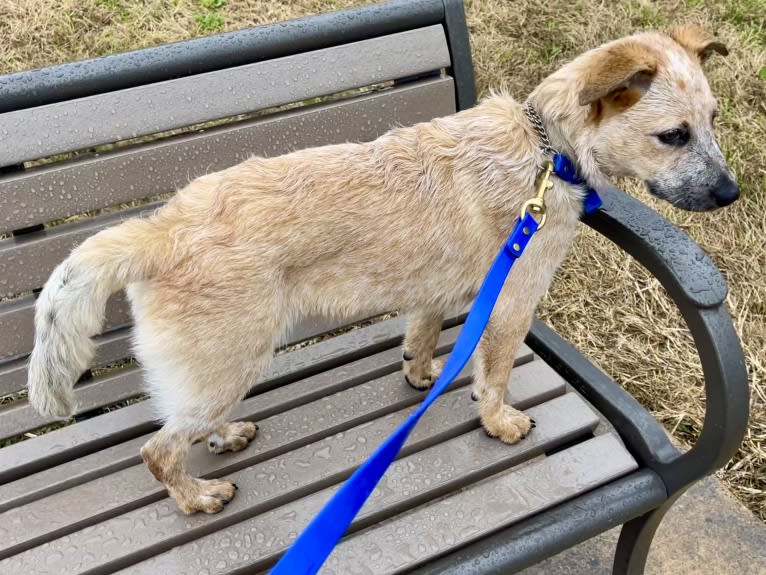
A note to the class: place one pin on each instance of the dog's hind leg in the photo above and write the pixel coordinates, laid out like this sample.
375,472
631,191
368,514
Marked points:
165,454
199,362
232,436
420,369
195,404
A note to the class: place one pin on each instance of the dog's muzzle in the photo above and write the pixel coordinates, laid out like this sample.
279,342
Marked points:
725,191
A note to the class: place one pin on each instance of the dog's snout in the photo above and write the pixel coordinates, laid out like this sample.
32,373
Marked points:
725,191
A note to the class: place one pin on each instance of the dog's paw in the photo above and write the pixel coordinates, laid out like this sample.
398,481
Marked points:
422,376
207,495
507,424
233,436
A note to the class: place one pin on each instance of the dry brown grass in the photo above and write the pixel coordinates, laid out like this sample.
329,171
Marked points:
602,300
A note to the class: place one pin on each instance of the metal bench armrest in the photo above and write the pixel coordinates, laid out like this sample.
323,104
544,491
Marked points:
699,291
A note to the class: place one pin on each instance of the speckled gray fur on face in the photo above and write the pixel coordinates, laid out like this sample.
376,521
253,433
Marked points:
692,182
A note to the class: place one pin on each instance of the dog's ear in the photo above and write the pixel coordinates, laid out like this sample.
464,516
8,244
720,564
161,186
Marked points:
620,75
698,42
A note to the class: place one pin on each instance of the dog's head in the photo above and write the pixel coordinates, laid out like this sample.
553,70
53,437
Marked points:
651,116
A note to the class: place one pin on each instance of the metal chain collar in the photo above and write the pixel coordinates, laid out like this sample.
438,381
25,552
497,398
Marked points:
543,182
558,165
537,122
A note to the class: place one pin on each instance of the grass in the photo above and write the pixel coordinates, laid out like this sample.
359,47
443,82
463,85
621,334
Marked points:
210,19
602,300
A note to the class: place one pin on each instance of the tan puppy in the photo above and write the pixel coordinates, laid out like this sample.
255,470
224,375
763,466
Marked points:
411,221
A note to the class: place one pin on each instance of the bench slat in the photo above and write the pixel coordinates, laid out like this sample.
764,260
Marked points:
104,118
450,467
134,486
21,417
321,463
133,173
290,426
26,261
205,53
440,526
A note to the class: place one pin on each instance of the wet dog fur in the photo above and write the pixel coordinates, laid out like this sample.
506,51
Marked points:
410,221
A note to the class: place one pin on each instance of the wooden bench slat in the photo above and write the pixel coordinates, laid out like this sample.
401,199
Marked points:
26,261
310,468
25,532
129,422
99,432
292,425
205,53
104,118
133,173
455,465
21,417
434,529
78,470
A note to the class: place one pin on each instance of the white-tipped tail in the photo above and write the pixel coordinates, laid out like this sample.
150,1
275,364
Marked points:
70,309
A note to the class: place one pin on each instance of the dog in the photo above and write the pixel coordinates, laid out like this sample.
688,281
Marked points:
410,221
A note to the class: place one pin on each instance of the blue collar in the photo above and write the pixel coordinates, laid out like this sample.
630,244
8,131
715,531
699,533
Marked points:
566,170
563,167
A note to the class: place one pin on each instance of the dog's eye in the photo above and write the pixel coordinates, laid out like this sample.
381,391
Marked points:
675,137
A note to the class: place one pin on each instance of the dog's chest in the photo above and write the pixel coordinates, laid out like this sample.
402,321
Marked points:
551,243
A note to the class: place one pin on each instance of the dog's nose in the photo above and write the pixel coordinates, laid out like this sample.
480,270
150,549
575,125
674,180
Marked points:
725,191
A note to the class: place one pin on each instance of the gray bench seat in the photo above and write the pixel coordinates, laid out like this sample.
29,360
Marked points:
314,430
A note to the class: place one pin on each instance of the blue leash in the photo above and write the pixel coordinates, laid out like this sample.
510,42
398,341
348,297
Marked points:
316,542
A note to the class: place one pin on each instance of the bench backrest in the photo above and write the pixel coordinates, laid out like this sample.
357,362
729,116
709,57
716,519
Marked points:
88,144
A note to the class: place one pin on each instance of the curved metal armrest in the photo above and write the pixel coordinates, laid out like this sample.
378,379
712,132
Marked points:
699,290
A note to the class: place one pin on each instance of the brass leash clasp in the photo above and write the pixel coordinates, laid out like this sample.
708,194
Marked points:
536,205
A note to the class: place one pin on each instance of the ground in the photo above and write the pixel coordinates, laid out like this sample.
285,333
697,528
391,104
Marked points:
602,300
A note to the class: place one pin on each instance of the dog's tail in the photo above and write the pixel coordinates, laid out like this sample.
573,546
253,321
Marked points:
70,308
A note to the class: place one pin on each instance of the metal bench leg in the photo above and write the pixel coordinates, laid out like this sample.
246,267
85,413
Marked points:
636,538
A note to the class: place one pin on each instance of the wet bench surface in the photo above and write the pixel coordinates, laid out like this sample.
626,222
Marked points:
452,484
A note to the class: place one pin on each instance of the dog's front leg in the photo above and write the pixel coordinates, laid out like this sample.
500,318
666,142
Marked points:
420,369
493,362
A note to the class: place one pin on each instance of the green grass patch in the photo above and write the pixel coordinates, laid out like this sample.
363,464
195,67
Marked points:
209,22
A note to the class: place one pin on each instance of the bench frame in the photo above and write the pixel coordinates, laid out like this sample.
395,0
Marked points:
638,500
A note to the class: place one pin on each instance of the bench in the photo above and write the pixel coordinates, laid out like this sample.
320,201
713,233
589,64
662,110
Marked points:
109,138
